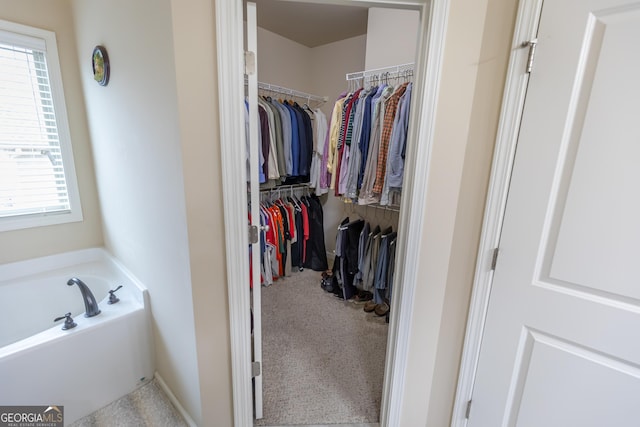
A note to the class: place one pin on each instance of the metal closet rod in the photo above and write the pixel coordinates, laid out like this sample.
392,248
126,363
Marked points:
288,188
291,92
394,69
348,202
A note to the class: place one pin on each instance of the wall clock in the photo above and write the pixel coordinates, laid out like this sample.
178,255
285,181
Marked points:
100,65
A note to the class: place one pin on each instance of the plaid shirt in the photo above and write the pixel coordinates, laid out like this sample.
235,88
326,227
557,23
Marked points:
389,114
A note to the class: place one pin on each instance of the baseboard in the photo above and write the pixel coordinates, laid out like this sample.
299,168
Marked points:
165,388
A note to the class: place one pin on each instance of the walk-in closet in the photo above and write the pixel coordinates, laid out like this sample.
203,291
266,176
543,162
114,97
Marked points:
327,144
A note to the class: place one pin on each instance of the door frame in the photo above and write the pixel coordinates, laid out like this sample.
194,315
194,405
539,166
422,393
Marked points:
230,69
517,80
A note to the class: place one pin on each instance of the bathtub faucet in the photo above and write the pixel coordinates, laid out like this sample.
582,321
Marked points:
90,305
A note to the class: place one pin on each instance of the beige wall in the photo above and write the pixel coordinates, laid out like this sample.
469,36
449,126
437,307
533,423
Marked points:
392,36
18,245
194,36
283,62
136,138
473,74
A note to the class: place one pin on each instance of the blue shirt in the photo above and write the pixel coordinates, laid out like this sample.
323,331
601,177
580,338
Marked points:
397,145
365,134
295,141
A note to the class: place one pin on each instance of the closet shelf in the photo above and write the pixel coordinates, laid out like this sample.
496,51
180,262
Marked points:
393,71
291,92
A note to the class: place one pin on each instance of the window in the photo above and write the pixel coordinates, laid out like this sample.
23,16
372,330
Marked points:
37,176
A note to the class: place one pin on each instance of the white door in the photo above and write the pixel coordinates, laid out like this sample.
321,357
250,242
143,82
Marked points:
561,345
256,301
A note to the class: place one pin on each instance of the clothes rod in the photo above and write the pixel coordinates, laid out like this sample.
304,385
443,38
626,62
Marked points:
352,206
291,92
287,187
392,70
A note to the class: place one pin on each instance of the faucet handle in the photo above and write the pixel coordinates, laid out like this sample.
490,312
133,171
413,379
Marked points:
68,323
112,296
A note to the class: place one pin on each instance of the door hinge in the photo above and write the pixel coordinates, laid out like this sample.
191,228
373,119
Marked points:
494,259
255,369
468,411
249,63
531,44
253,234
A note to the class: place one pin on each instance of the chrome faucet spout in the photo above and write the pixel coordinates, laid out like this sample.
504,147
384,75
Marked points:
90,305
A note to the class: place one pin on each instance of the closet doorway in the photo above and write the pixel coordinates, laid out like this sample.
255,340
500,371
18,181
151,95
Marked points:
427,65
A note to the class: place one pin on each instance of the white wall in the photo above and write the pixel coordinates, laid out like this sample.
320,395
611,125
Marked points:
392,36
283,62
19,245
136,144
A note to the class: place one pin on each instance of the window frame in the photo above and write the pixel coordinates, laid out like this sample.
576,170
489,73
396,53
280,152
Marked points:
21,35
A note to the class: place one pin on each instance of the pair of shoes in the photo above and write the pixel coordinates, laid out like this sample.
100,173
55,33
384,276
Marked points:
382,309
369,306
363,297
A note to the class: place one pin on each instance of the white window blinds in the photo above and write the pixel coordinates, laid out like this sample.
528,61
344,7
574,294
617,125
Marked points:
32,162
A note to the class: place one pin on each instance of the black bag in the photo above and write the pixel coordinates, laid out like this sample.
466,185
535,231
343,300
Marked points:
329,282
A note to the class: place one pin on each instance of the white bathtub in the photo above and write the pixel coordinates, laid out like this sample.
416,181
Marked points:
84,368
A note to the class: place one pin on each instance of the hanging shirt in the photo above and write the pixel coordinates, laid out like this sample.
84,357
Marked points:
344,146
305,225
389,116
363,143
275,132
366,195
373,112
306,140
334,138
355,156
395,161
285,118
264,138
397,154
316,162
273,171
261,175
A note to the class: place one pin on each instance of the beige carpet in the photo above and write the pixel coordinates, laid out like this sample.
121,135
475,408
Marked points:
147,406
323,358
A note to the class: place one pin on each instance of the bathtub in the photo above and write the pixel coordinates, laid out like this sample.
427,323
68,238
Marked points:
85,368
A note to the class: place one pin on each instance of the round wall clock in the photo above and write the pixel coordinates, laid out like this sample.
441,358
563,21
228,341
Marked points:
100,65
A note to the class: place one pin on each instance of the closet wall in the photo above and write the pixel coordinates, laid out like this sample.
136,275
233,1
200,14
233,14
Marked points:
392,36
284,62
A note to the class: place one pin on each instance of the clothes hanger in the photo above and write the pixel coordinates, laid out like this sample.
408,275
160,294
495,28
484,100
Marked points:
294,201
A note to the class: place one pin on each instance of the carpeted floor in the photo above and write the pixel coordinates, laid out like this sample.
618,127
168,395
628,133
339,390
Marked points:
323,358
147,406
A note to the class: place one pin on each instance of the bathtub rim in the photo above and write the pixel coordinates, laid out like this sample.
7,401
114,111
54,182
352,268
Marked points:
15,270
